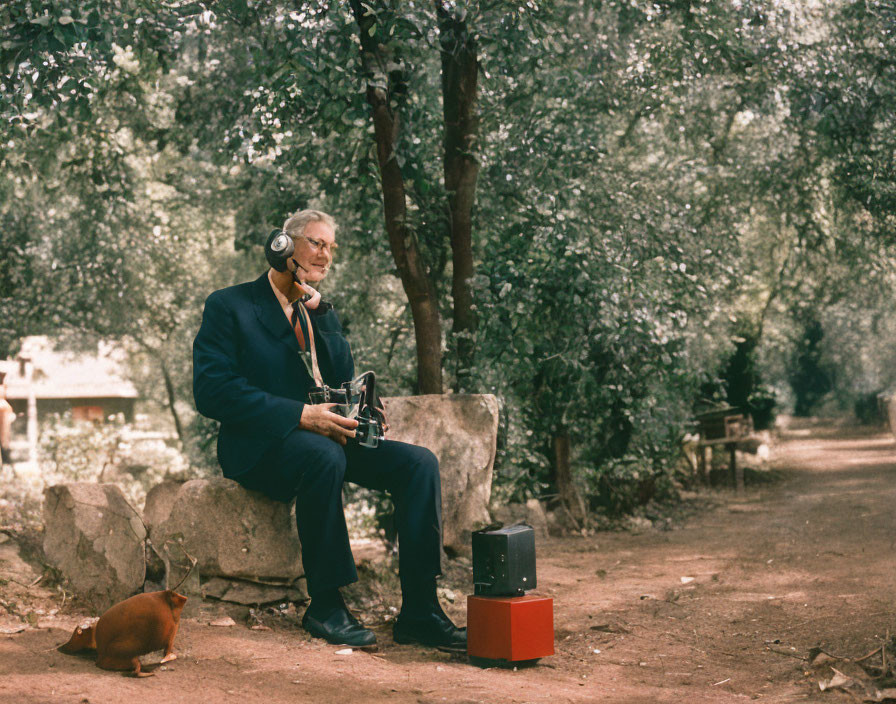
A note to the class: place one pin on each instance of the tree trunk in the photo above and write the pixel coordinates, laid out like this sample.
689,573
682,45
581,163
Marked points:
460,73
566,488
384,95
172,399
158,356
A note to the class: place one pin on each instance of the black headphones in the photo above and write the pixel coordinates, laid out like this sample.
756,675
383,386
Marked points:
278,249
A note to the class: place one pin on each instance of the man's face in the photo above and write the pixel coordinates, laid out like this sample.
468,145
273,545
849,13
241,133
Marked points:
314,251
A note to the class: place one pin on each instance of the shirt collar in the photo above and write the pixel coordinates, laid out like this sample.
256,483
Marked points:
283,300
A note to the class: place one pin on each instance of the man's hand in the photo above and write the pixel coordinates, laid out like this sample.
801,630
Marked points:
314,301
382,410
318,418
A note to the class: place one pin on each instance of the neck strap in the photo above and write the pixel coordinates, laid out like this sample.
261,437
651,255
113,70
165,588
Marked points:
315,369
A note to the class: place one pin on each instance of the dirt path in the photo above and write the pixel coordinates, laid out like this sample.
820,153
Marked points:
807,561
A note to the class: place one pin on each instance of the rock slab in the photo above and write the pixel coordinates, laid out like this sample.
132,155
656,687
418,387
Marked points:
252,593
96,539
232,532
462,431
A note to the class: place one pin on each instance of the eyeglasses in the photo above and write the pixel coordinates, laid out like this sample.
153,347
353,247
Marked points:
318,245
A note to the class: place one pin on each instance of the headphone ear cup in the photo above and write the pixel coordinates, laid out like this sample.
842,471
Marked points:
278,249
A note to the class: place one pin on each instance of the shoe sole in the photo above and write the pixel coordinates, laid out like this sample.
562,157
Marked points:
368,646
407,640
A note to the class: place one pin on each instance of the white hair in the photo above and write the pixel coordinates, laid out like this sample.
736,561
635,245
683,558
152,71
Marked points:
297,222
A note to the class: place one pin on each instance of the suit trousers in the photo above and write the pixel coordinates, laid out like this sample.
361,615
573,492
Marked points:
312,469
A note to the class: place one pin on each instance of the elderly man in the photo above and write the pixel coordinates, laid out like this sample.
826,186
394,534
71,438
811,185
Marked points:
253,363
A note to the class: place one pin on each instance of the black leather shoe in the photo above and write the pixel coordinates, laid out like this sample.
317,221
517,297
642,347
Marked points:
339,628
434,629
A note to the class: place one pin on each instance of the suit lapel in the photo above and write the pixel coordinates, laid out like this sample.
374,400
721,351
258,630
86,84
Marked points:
270,314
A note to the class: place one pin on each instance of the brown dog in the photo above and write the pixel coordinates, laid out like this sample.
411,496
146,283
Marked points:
130,628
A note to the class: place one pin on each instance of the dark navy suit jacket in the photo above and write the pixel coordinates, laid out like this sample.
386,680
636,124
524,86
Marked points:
247,372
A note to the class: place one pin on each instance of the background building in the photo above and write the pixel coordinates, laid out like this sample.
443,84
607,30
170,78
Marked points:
42,381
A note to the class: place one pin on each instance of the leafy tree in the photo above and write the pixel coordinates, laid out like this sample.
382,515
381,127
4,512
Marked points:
348,96
590,209
810,380
607,302
112,243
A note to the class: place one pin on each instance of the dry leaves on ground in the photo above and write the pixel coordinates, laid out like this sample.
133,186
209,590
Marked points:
870,677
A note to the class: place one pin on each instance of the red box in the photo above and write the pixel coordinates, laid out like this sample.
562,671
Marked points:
510,628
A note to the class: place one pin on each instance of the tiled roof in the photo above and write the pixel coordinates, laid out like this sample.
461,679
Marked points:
61,374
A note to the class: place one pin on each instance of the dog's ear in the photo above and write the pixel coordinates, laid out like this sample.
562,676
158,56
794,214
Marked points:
175,600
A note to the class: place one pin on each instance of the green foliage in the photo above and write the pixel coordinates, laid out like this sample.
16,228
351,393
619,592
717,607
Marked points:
665,190
848,97
867,409
810,380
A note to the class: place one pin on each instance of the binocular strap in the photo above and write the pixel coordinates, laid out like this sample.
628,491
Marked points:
315,369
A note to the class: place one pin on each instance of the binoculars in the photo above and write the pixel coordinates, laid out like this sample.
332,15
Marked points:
355,399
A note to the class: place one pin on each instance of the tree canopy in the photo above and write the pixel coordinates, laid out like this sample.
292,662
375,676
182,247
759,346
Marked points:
605,213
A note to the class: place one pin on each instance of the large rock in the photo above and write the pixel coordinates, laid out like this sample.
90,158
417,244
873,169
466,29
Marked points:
159,501
232,532
462,431
96,539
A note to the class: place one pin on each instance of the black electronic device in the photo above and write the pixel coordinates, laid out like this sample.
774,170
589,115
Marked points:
504,560
355,399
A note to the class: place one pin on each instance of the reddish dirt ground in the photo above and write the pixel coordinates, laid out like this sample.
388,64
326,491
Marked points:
808,560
